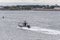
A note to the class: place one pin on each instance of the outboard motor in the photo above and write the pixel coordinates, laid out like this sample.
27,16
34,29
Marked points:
28,26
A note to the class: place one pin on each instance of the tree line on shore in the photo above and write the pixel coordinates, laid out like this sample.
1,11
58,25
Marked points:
28,7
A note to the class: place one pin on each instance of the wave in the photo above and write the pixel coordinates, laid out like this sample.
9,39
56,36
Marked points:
42,30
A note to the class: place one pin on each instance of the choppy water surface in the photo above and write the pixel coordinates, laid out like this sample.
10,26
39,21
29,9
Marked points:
43,19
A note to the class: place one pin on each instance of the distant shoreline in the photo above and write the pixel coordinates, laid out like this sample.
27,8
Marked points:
35,10
48,10
31,7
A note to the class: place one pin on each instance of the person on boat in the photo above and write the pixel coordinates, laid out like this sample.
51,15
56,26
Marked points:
24,23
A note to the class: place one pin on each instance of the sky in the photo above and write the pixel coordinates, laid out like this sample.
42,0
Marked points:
51,2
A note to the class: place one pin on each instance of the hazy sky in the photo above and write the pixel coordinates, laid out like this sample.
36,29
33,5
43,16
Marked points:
32,1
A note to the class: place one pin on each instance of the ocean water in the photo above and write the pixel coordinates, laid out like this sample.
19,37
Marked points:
43,19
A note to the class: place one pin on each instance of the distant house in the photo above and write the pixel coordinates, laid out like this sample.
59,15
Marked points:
37,8
56,7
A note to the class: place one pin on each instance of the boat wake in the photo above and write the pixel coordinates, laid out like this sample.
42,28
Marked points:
42,30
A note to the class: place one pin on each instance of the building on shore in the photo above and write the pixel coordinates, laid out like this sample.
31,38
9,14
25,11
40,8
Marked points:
57,8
